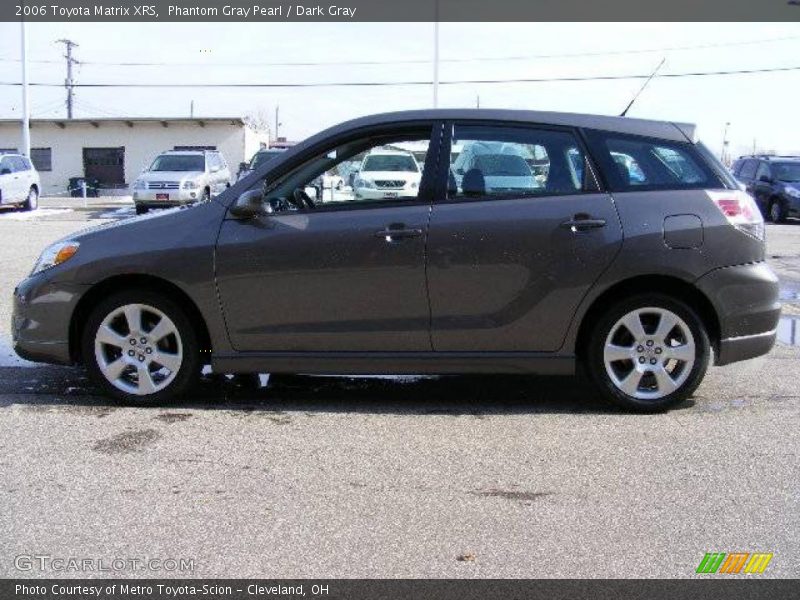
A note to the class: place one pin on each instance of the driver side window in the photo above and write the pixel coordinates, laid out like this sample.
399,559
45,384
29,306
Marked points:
367,171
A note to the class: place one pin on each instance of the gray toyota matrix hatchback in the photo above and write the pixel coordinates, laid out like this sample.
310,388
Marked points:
563,239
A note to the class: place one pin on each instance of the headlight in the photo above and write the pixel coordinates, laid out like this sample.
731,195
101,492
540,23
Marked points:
189,185
55,255
139,185
413,185
793,191
364,183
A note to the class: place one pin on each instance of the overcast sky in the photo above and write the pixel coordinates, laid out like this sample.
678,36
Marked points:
761,107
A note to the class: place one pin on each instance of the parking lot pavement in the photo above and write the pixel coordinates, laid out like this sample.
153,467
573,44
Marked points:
434,477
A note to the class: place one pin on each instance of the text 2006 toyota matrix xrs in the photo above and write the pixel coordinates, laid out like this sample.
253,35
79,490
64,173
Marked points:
618,244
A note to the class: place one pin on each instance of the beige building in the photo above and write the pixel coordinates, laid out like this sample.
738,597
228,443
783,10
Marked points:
115,151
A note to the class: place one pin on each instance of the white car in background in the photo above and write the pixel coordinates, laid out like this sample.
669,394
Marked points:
179,177
502,166
387,174
19,182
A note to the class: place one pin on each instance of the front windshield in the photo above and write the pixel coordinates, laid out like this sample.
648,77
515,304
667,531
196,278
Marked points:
263,157
786,171
179,162
390,162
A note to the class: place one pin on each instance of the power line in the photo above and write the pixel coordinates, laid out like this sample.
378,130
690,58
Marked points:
521,57
413,82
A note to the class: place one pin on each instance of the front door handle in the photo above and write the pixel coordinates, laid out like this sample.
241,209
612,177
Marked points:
583,222
395,233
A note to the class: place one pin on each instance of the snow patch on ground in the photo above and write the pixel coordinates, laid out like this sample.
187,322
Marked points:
30,215
9,358
125,211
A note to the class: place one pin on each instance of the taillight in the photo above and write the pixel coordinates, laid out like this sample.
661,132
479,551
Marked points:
741,211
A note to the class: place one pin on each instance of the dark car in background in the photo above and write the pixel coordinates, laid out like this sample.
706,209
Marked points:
634,254
774,181
259,158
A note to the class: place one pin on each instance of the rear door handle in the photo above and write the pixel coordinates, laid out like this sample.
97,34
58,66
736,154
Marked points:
395,233
583,224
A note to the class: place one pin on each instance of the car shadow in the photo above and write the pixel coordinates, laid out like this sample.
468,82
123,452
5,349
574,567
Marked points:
456,395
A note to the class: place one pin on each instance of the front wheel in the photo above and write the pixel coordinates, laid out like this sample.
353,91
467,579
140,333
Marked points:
777,211
648,353
140,347
32,200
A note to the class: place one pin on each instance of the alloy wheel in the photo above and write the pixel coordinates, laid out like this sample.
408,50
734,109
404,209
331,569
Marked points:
138,349
649,353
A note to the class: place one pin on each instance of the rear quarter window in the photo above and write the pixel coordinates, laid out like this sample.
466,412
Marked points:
632,163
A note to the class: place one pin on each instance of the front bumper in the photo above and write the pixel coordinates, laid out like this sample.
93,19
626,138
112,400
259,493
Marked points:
745,298
175,197
363,193
40,321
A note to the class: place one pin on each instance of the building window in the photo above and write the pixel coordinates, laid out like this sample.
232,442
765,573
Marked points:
42,158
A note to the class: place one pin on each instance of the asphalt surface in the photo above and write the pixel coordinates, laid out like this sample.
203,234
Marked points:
344,477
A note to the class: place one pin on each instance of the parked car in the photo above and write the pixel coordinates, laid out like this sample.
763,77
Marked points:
19,182
774,181
641,281
387,174
262,156
500,165
179,177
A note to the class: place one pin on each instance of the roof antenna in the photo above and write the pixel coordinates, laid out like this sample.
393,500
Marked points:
644,85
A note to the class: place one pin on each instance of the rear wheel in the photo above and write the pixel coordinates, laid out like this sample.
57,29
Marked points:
140,210
140,347
777,211
32,200
648,353
206,195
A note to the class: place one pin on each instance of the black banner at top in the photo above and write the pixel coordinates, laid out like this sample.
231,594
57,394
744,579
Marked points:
398,10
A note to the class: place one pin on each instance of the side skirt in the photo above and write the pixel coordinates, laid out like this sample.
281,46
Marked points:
394,363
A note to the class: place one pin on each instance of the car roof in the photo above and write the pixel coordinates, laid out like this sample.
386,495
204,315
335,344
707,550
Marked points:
667,130
186,152
385,152
770,157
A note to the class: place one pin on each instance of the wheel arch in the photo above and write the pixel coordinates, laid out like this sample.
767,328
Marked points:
663,284
119,283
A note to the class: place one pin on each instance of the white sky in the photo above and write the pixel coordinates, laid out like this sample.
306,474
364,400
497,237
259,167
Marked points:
763,107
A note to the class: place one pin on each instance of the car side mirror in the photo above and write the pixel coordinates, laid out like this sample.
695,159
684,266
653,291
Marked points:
243,166
765,179
214,169
249,205
5,171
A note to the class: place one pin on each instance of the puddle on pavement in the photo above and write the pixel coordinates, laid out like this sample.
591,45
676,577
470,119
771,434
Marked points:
789,330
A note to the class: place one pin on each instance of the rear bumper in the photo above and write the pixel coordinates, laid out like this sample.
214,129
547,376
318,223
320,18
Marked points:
745,298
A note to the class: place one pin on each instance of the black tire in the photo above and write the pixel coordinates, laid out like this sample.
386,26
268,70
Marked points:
777,211
32,201
206,195
595,360
140,210
188,373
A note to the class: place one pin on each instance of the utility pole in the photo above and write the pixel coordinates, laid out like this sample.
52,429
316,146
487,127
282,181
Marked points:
68,82
26,108
478,101
191,109
436,55
277,121
724,154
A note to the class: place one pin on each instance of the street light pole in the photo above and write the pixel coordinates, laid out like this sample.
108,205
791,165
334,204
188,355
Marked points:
26,129
724,154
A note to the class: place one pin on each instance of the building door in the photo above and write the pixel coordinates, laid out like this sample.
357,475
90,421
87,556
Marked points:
107,165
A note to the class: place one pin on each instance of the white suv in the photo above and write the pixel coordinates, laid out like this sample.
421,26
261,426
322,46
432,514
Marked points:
180,177
19,182
386,174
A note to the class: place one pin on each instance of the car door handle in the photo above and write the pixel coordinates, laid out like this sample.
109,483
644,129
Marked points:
394,234
581,223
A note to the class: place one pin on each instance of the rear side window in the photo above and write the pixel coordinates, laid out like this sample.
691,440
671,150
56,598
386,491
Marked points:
634,163
748,170
490,161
